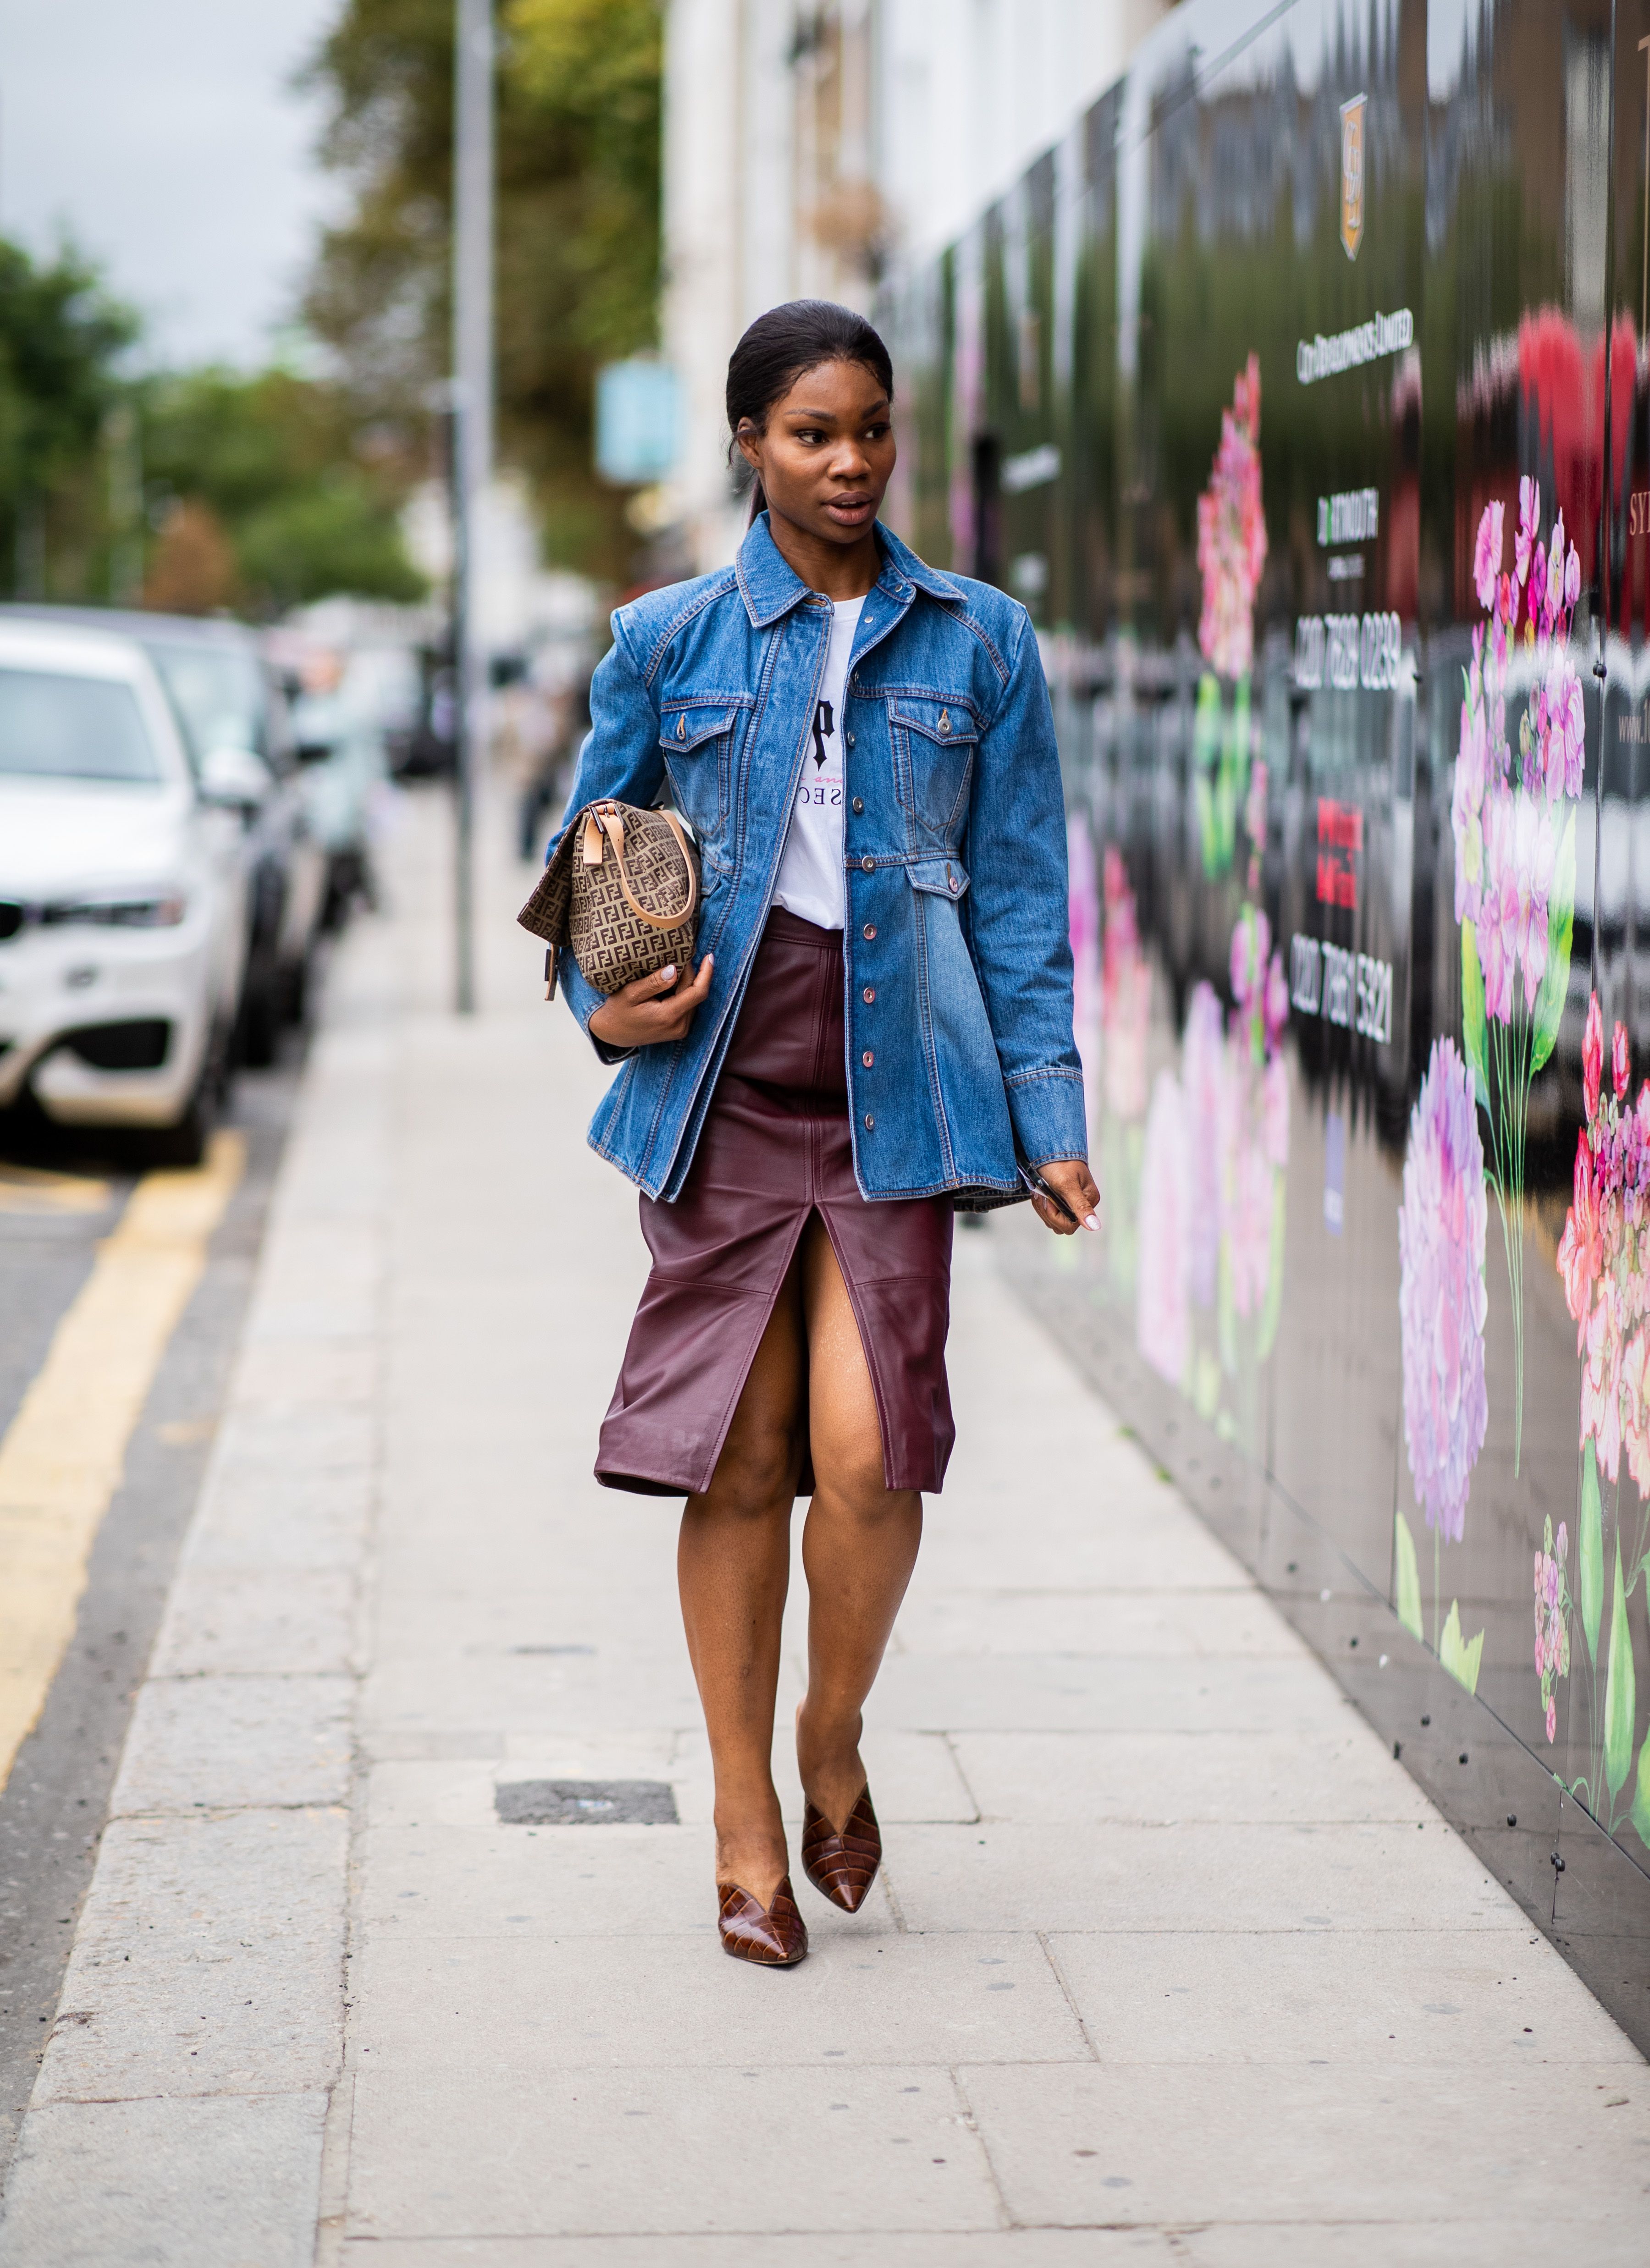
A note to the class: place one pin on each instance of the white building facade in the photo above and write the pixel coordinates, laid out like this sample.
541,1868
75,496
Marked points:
810,150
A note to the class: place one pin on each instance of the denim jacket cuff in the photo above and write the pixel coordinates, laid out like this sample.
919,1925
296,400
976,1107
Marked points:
1048,1114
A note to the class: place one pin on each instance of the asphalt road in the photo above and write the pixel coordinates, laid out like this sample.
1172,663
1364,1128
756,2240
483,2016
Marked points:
59,1197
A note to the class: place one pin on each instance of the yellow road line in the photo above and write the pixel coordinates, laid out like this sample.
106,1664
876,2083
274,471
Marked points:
28,1189
62,1458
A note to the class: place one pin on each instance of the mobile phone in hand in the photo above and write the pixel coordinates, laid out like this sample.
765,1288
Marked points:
1038,1187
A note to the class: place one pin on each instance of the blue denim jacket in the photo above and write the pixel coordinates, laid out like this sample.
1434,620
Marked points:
957,965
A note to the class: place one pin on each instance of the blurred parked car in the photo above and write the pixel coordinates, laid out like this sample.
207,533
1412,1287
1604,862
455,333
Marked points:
341,719
123,886
227,697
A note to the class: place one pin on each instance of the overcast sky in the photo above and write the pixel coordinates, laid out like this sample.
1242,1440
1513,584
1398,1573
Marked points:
164,136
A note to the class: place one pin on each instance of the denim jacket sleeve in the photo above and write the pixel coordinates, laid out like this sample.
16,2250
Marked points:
1018,923
620,759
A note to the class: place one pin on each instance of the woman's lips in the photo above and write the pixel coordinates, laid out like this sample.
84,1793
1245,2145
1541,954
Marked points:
849,507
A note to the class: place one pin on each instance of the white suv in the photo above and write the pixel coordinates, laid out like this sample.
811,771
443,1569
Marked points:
122,892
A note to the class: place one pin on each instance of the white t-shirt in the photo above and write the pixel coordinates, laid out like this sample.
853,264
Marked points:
812,883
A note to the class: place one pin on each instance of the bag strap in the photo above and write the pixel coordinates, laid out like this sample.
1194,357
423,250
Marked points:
607,819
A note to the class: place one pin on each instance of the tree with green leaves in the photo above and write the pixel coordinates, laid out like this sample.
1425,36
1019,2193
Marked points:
62,341
578,229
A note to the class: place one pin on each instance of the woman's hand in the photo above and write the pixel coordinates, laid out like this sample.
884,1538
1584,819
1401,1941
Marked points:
653,1010
1076,1184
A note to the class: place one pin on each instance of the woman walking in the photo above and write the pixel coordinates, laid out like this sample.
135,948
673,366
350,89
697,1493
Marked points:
879,1031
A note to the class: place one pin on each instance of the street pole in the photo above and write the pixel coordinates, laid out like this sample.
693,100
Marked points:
471,435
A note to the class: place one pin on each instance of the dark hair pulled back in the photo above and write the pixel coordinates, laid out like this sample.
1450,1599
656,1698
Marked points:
781,345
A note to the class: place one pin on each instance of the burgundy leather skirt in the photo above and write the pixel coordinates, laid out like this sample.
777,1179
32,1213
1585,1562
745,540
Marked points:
774,1149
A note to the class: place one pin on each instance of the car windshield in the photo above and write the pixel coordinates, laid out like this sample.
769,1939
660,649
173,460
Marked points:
56,726
218,694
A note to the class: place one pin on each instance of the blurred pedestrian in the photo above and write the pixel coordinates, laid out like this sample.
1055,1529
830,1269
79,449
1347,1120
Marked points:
879,1032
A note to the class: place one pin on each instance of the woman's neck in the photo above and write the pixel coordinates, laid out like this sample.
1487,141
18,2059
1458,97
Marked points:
838,570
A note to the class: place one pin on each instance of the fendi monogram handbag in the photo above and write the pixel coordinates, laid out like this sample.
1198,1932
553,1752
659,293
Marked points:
622,894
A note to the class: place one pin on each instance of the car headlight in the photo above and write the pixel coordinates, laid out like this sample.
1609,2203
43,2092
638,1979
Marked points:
159,909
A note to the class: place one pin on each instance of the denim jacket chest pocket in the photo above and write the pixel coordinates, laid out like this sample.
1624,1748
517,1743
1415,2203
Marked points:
698,737
934,740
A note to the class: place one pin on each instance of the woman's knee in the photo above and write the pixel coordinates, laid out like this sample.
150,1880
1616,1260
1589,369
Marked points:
757,1472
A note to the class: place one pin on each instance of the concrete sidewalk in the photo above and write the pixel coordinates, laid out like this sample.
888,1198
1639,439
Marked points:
1169,1960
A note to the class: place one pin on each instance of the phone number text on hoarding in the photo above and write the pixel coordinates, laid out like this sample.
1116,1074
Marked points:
1349,989
1347,650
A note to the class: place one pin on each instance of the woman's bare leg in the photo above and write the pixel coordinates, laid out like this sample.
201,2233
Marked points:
732,1565
860,1542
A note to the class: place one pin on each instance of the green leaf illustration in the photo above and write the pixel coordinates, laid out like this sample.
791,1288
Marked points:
1620,1698
1473,1030
1640,1813
1555,984
1592,1550
1460,1656
1408,1601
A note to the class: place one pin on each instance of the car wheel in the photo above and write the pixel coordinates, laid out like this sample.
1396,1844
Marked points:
184,1142
295,990
259,1037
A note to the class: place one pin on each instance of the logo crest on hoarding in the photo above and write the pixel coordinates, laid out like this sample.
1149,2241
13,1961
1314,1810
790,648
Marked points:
1352,174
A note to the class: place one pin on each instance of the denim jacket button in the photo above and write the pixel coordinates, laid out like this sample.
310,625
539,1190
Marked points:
867,1059
870,928
860,803
870,1121
868,866
869,994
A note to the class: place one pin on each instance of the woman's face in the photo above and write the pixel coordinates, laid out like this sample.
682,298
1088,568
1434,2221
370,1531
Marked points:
827,453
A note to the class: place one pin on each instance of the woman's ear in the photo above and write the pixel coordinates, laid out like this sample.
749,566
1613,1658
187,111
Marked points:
748,441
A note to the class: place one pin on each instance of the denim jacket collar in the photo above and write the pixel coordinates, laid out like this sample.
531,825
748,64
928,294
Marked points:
770,586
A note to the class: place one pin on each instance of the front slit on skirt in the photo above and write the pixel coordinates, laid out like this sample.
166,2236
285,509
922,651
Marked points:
775,1148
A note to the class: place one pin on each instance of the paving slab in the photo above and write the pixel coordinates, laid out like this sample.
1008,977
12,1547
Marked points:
1423,1997
228,2182
546,2005
639,2152
208,1958
1338,1770
1193,1876
216,1743
1172,2144
954,2248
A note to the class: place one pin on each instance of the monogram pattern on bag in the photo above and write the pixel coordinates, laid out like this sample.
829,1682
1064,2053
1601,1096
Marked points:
585,909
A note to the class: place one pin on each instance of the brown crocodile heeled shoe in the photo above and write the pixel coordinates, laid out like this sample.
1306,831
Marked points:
843,1867
775,1936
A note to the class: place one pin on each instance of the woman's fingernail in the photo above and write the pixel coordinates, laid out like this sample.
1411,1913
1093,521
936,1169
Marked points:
1093,1221
668,975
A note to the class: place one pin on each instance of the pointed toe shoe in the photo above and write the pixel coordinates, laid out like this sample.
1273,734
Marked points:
843,1867
775,1936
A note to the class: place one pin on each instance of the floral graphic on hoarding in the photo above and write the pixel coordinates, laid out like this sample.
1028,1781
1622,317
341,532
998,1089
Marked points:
1230,554
1605,1263
1442,1304
1514,819
1231,533
1117,1101
1552,1621
1212,1188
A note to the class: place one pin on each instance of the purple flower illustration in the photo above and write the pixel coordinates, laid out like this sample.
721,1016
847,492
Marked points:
1441,1297
1162,1318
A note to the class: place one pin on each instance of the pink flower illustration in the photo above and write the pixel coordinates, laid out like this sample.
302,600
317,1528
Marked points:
1442,1300
1508,816
1125,994
1231,533
1603,1258
1552,1620
1203,1075
1486,556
